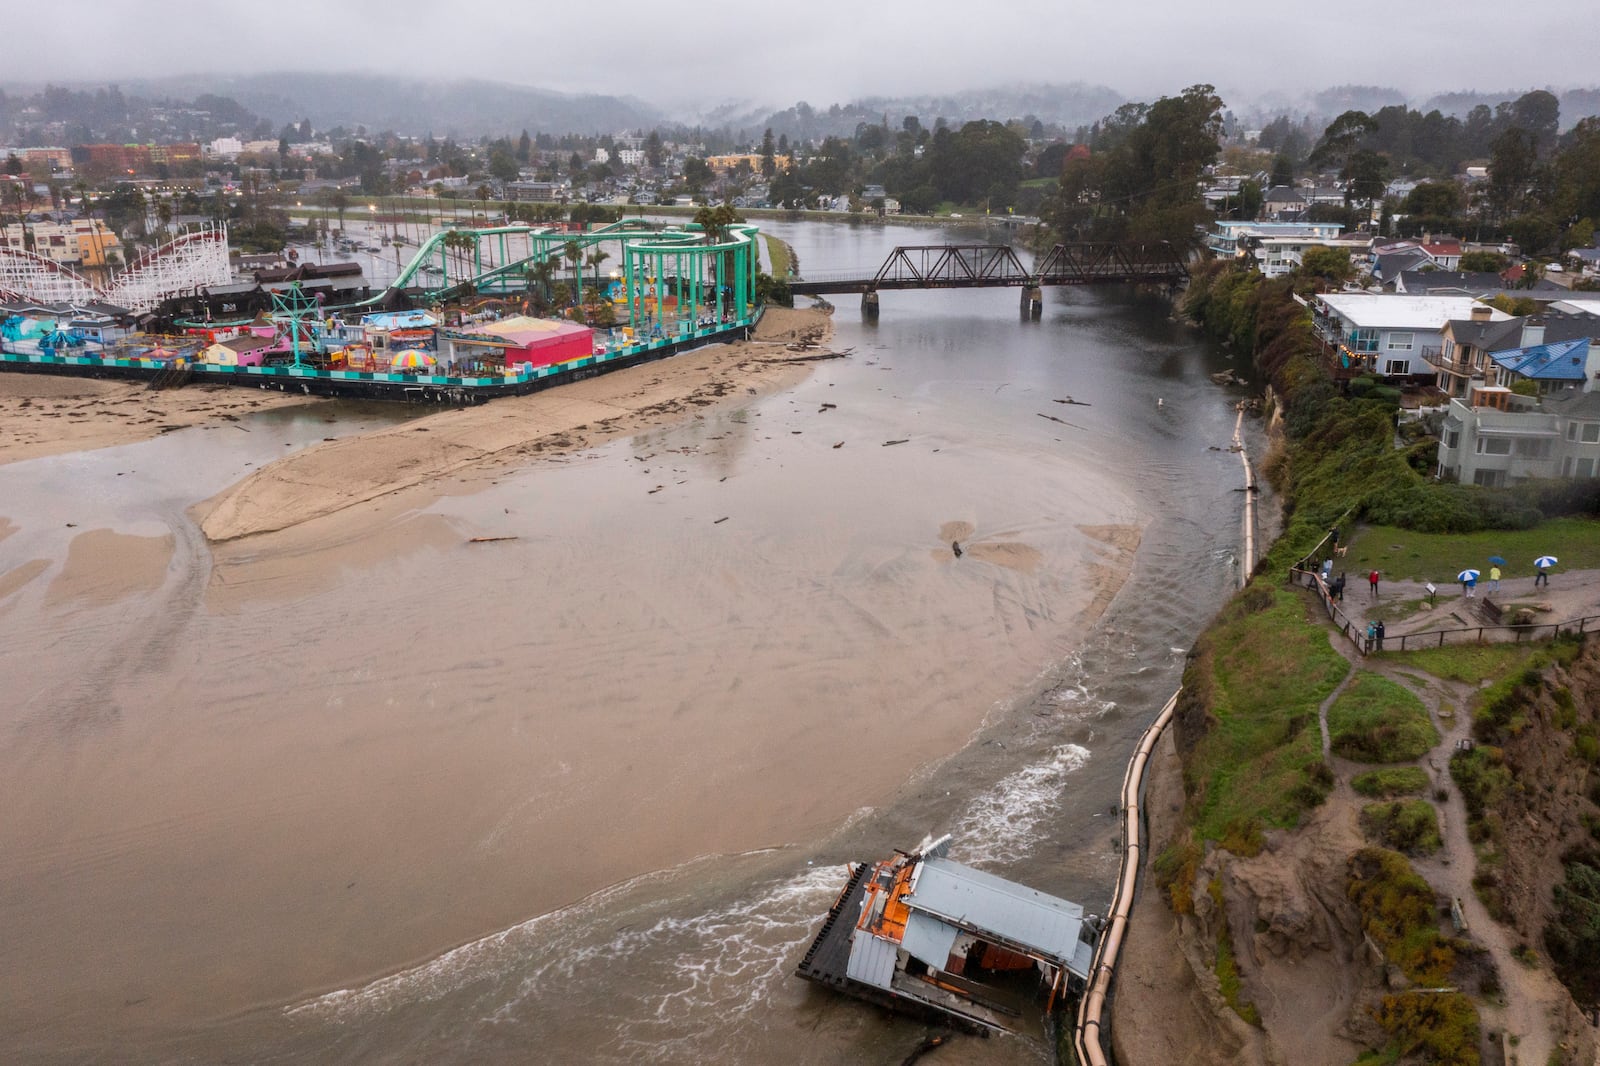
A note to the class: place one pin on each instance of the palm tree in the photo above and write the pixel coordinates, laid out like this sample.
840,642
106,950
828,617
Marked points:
539,276
574,253
459,241
596,257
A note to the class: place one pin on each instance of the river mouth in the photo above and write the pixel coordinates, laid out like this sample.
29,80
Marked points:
590,788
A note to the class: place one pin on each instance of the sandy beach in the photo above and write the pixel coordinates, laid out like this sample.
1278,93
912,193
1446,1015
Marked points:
339,474
45,415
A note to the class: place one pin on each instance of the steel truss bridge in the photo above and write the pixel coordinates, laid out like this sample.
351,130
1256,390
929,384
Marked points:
974,266
186,264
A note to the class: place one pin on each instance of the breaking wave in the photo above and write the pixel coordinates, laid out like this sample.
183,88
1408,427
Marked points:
1000,825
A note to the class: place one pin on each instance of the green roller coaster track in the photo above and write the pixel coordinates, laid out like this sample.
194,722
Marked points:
701,270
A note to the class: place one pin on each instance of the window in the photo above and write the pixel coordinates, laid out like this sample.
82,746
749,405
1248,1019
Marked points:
1396,367
1566,467
1572,431
1585,468
1591,432
1494,445
1533,449
1449,349
1400,342
1488,478
1452,438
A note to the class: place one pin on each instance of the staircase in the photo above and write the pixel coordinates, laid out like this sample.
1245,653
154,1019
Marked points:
174,376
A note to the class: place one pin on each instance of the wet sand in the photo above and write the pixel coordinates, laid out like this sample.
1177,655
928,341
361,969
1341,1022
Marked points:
358,737
44,415
322,480
103,567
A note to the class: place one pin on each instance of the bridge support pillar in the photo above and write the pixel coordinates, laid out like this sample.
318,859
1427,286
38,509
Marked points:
1032,301
869,303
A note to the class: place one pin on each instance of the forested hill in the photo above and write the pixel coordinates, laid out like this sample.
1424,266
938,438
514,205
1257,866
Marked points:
404,104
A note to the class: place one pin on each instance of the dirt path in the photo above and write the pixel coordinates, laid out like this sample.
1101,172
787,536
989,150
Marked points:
1532,1002
1531,1005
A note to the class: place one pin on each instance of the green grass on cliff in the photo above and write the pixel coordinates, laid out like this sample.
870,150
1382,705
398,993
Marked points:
1261,673
1390,781
1470,663
1378,721
1405,555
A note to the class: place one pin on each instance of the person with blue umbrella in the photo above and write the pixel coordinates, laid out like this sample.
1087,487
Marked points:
1495,563
1543,565
1469,581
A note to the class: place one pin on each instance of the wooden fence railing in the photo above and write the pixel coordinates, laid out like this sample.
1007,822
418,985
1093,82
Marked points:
1433,638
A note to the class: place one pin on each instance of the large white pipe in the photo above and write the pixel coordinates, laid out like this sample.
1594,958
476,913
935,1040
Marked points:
1091,1009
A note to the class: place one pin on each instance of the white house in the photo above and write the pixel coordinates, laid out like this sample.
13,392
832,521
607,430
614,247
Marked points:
1390,334
1275,247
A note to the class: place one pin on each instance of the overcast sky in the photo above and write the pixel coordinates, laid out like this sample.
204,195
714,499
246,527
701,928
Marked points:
824,52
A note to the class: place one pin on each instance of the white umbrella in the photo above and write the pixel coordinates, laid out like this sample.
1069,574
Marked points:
1545,561
1467,575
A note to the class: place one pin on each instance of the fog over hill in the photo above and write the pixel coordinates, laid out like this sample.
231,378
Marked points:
412,105
472,108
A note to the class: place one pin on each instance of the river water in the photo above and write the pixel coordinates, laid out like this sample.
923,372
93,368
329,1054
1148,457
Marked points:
588,803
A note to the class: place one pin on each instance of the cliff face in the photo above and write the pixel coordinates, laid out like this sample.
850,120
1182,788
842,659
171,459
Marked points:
1313,945
1269,966
1276,925
1539,826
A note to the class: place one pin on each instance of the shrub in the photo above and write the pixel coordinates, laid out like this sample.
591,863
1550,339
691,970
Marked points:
1432,1027
1483,778
1586,745
1573,934
1398,911
1409,826
1175,871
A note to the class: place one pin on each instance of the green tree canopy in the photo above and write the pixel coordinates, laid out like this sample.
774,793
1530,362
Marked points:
1143,183
1438,199
1330,266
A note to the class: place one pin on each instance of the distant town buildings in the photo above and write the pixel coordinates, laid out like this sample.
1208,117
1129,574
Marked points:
82,242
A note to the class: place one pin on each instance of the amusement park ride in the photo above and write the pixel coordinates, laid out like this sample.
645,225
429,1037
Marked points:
189,262
450,265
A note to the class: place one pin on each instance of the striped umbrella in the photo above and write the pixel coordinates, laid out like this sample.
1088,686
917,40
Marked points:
1467,575
1544,562
412,360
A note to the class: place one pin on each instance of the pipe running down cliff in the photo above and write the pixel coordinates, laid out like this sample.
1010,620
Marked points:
1087,1039
1091,1009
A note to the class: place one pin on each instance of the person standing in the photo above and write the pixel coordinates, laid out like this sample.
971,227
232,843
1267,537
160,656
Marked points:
1469,583
1543,577
1372,635
1494,579
1378,635
1372,582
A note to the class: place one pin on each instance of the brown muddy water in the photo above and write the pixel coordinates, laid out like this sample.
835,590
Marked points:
375,793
